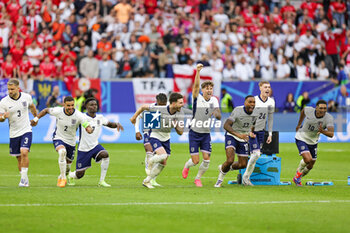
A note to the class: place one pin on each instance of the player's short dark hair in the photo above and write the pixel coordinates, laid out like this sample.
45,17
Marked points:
68,98
13,81
321,102
207,83
89,100
174,97
161,98
248,96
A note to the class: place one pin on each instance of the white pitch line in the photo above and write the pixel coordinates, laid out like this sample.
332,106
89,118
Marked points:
174,203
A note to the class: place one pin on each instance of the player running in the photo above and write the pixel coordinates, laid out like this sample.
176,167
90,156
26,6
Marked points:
239,128
171,117
264,109
312,123
161,99
64,137
204,106
14,107
89,148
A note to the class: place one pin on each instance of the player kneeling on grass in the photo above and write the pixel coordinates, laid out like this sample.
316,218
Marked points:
161,100
171,117
204,106
64,137
317,122
89,148
238,128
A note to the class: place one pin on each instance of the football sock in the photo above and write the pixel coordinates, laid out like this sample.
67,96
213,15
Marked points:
68,168
24,173
104,168
148,156
62,163
305,171
301,166
156,170
189,163
221,175
202,168
73,175
251,164
158,158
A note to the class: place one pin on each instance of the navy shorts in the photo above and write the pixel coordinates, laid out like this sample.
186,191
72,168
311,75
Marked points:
84,157
156,143
302,147
24,141
70,149
241,148
146,138
199,140
257,142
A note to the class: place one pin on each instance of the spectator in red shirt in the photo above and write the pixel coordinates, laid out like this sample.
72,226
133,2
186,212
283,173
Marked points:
9,67
14,39
150,6
17,52
12,9
310,6
258,5
66,53
288,10
47,69
25,70
69,72
338,9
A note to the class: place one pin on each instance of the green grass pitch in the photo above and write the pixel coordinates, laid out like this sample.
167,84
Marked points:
178,206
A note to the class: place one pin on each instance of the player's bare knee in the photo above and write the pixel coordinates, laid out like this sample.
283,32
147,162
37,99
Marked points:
195,160
230,160
103,155
62,154
80,174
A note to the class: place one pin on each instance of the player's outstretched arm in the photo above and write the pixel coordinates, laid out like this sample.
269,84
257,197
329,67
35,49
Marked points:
228,128
144,107
270,124
43,112
114,125
179,129
195,89
217,113
329,132
301,119
34,111
138,135
4,116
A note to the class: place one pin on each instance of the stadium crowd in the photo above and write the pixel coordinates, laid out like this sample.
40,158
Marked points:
111,39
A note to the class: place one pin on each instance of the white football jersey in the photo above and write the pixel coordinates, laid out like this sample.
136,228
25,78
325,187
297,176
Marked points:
88,141
242,121
66,125
19,114
262,110
202,111
308,133
163,134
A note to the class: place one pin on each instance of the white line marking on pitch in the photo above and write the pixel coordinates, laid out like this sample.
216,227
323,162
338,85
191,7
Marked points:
173,203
